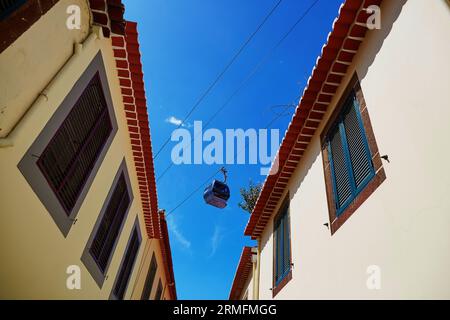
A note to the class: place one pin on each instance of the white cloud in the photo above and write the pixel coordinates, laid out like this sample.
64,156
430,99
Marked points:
177,122
173,120
173,226
216,239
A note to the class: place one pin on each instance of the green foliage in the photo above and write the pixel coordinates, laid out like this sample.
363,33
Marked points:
249,196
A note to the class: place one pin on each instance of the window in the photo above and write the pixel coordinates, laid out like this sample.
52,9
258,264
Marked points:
353,168
126,267
62,162
103,240
69,157
349,156
159,290
149,279
282,249
108,232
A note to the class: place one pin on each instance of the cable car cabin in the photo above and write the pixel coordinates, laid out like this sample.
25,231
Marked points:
217,194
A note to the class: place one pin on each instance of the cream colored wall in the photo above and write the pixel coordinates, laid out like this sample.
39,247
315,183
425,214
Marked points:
152,246
404,226
28,65
34,254
248,289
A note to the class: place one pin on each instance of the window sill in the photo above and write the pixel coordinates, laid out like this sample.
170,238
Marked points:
376,181
282,284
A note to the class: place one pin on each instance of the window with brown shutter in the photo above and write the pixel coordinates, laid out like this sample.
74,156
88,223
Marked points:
7,7
62,162
68,159
99,250
149,279
108,231
159,290
128,262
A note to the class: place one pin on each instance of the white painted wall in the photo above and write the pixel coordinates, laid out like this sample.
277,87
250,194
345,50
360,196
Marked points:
404,227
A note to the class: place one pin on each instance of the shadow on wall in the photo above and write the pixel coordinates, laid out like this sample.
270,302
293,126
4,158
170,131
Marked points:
376,38
310,157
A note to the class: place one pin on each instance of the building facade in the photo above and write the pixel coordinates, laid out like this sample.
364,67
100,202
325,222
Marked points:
79,216
357,208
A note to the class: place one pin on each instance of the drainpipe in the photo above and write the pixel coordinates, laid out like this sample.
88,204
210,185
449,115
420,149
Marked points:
256,269
42,99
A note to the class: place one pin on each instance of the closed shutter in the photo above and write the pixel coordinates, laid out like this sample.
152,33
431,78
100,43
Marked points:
159,291
357,145
108,231
150,279
70,156
350,157
126,268
343,188
286,245
9,6
278,251
282,246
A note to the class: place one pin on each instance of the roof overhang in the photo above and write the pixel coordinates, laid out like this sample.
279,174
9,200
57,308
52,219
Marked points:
167,255
130,74
129,71
243,272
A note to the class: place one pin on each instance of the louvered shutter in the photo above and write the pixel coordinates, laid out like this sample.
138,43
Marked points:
357,145
150,279
286,244
282,246
343,188
159,291
126,268
108,231
350,157
278,250
70,156
9,6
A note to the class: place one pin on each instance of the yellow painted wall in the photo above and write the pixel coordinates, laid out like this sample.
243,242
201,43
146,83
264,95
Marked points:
34,254
30,63
248,289
404,226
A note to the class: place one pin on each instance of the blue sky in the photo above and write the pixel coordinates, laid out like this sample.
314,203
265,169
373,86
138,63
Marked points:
185,44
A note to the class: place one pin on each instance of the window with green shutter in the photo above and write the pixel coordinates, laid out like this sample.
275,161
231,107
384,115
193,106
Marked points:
349,155
282,245
353,167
